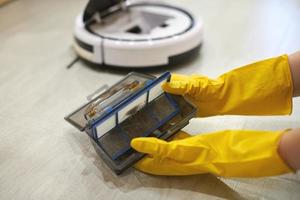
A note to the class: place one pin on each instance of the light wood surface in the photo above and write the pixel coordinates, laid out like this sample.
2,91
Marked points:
3,2
43,157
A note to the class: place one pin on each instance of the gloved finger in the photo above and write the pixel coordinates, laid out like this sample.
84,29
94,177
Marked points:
150,145
168,167
177,85
195,85
177,150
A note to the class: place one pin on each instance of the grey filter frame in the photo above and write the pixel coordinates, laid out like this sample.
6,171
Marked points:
134,107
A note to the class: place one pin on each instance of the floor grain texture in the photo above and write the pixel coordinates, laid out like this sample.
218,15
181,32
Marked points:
43,157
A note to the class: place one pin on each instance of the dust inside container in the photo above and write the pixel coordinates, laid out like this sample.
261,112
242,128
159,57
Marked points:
147,111
102,104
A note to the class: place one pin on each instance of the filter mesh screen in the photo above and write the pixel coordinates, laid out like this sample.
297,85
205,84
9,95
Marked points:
161,107
113,142
141,124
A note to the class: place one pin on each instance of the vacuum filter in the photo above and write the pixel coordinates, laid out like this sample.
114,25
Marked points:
134,107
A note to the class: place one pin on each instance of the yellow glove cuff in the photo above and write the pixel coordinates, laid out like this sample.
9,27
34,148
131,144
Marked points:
261,88
229,153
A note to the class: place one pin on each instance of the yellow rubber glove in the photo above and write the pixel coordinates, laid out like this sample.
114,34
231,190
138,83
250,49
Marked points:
261,88
225,153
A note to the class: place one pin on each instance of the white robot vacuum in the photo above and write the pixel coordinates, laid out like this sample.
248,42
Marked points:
136,34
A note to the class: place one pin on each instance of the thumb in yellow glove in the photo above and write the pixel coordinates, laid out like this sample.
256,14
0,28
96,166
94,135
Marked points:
228,153
261,88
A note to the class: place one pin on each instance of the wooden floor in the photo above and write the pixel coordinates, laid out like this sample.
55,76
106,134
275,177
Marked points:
43,157
2,2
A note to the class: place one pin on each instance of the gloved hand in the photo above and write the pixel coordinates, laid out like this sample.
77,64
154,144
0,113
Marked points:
225,153
261,88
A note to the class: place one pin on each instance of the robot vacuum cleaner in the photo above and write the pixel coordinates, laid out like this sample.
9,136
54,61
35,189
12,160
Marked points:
136,34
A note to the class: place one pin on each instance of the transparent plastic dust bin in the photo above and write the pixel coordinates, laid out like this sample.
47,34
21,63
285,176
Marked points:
134,107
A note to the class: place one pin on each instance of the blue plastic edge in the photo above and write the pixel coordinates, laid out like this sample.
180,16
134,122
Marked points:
114,111
148,132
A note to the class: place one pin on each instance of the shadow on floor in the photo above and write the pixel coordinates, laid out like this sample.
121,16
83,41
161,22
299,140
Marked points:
149,70
132,179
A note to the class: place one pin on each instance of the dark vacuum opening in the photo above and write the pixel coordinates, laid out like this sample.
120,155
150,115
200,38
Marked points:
135,30
164,25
